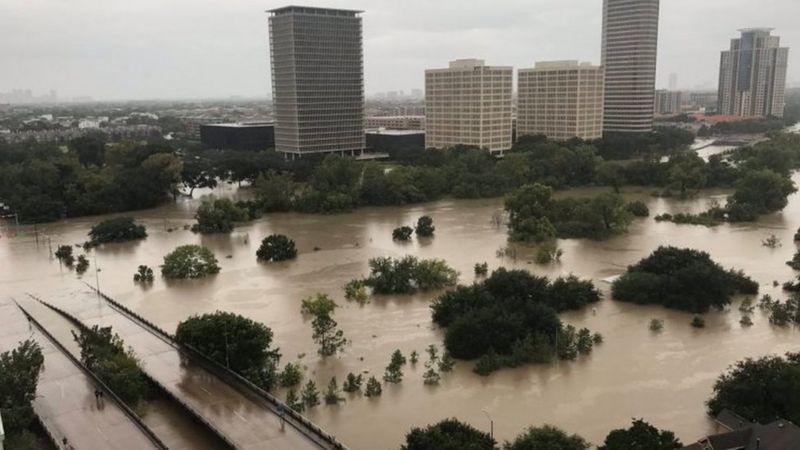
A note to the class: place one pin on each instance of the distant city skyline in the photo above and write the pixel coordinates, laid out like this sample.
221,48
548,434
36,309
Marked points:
209,49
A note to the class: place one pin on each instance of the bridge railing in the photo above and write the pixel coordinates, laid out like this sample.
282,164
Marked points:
243,385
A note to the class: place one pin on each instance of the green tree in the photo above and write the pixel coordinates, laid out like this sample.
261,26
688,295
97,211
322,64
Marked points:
449,434
546,437
198,172
333,394
218,216
144,274
353,382
611,173
275,191
189,261
118,229
292,401
760,390
425,226
90,149
641,436
276,247
291,375
310,395
318,305
19,376
687,171
763,191
64,254
356,290
104,353
373,388
326,334
402,233
236,342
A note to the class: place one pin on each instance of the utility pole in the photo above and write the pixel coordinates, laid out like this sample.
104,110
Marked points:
491,423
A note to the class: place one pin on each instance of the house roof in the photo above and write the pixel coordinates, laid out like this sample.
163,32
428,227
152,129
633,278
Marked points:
731,420
778,435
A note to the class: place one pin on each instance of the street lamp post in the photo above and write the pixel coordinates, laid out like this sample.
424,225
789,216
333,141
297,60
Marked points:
491,423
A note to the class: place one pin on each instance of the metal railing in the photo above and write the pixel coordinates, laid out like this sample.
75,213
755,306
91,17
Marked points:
124,407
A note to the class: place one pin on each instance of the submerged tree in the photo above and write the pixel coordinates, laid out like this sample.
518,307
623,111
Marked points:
310,395
425,227
332,394
402,233
373,388
276,247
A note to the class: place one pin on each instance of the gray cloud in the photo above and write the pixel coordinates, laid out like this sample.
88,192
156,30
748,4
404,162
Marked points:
203,48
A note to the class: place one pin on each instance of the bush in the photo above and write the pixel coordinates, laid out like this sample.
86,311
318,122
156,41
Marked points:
356,290
656,325
449,434
481,269
83,264
682,279
218,216
276,247
119,229
548,252
143,274
698,322
64,254
638,208
425,227
236,342
402,233
406,275
189,261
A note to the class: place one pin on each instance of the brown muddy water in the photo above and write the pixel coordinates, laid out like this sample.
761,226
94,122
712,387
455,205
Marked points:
664,378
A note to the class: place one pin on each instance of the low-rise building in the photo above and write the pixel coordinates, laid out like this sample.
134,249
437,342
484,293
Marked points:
248,136
394,141
395,122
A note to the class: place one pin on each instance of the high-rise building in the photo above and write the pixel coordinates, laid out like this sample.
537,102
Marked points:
561,100
630,46
317,80
668,102
468,103
752,75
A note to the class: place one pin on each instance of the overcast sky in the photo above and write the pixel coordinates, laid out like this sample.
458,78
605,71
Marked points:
143,49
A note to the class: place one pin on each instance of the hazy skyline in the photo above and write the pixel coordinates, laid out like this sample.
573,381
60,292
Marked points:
149,49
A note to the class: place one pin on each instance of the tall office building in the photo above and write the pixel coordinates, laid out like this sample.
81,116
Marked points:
668,102
752,75
468,103
630,45
317,80
561,100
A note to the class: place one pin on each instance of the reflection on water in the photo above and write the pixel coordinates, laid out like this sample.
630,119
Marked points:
664,378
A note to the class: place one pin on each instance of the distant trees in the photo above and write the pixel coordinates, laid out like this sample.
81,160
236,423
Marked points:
511,319
536,217
19,377
682,279
104,353
640,436
638,208
118,229
276,247
218,216
189,261
236,342
761,390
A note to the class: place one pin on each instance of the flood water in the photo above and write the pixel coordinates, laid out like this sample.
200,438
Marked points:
664,378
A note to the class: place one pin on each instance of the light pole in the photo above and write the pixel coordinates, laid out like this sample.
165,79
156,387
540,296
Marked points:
491,423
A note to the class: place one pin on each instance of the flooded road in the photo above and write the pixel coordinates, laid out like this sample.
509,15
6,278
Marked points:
664,378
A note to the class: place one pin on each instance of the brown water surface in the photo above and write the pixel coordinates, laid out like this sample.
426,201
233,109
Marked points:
664,378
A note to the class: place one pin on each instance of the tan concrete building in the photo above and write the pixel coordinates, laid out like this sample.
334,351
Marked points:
561,100
468,103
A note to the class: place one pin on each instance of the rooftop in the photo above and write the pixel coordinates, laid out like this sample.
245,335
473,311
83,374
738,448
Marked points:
241,124
761,29
393,132
295,9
